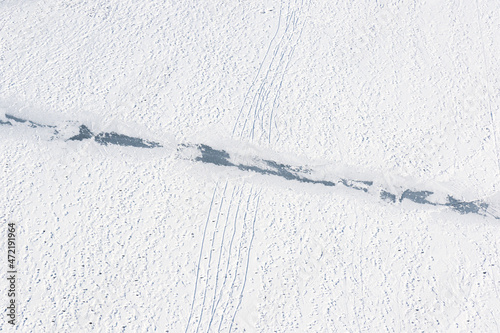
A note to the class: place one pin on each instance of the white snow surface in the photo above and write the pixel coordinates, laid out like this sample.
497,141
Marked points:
123,239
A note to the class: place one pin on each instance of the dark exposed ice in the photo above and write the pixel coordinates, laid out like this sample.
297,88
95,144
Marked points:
417,196
273,168
85,133
20,120
124,140
387,196
282,170
113,138
268,167
357,184
213,156
221,158
465,207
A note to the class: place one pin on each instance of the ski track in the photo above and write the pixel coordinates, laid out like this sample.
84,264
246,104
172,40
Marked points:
224,265
486,69
258,71
240,246
364,282
255,118
199,259
210,256
229,251
248,260
214,299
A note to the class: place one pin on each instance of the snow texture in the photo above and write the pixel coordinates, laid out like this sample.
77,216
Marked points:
258,166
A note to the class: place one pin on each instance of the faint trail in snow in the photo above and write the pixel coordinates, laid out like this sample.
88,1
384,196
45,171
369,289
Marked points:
229,256
486,68
230,248
278,91
248,260
494,280
241,246
199,259
223,262
496,323
233,283
210,256
214,300
360,259
257,98
276,98
258,71
258,114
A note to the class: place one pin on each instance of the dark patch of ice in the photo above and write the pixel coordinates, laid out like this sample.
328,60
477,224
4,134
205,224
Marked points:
20,120
221,158
464,207
85,133
312,181
417,196
253,168
282,170
5,123
387,196
356,184
213,156
124,140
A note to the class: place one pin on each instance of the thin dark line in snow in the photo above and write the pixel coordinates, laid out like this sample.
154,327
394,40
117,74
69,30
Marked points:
486,68
207,279
248,260
214,301
238,260
199,259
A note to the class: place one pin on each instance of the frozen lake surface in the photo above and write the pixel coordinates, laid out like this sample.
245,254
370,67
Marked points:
262,166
